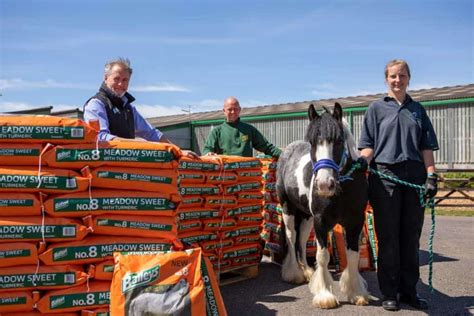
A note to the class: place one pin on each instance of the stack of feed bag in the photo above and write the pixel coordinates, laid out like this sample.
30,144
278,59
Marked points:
221,209
67,202
272,231
273,228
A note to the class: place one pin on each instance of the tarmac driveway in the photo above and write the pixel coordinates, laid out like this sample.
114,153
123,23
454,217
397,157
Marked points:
452,279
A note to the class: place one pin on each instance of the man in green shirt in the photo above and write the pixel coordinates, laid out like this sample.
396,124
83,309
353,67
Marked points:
236,138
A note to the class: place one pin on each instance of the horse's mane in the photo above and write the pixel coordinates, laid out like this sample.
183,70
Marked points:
324,127
327,129
351,144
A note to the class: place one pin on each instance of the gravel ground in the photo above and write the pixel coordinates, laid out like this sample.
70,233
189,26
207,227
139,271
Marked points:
452,280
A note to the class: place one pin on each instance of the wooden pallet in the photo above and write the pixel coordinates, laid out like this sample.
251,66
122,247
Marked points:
237,274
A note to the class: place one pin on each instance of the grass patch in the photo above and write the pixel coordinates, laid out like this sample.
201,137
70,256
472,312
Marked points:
458,175
451,211
461,176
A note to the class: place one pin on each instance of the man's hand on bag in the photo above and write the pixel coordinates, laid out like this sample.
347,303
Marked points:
190,154
431,185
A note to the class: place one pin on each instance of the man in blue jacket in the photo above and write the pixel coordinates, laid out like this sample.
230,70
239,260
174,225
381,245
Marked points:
112,107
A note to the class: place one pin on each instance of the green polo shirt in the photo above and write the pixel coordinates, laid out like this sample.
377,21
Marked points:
238,139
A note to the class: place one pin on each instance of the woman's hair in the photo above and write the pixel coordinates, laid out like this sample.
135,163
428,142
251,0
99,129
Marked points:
125,62
397,62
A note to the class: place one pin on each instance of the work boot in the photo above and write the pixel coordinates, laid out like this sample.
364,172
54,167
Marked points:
390,304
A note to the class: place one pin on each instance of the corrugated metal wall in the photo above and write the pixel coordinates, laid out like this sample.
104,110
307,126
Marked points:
454,126
180,137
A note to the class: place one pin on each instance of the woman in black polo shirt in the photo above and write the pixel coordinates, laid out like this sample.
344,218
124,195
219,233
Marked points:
398,139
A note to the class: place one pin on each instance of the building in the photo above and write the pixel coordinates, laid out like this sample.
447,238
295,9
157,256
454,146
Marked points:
451,110
48,110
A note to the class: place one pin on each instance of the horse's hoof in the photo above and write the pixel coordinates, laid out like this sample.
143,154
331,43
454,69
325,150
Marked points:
308,273
360,301
325,301
295,279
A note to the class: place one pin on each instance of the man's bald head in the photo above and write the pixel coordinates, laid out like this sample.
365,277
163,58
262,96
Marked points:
231,109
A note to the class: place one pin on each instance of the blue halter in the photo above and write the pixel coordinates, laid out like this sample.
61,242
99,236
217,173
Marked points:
331,164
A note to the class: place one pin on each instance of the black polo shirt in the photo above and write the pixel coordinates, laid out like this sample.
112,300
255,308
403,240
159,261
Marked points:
395,132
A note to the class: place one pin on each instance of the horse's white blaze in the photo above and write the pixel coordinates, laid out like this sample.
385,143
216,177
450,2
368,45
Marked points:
351,283
321,281
310,196
324,175
290,270
299,174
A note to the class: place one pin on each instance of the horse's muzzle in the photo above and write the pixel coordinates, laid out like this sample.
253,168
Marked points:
327,187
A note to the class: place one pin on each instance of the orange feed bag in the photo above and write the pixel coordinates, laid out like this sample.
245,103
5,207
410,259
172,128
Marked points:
114,153
18,204
20,154
95,294
25,179
99,248
16,301
186,163
38,313
218,224
190,238
249,175
18,253
184,214
191,201
96,312
136,226
220,201
104,270
249,197
102,201
142,179
221,177
46,128
244,209
41,278
244,186
190,225
191,176
174,283
35,228
234,162
198,188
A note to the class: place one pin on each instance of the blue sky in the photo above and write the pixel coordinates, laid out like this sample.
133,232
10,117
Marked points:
196,53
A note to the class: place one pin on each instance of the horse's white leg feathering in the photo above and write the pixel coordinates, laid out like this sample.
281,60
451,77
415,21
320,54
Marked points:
305,231
290,270
351,282
321,281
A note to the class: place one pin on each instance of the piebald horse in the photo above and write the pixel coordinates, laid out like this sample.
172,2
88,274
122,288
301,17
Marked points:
313,192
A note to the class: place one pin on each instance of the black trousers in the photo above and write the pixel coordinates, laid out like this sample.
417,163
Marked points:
398,217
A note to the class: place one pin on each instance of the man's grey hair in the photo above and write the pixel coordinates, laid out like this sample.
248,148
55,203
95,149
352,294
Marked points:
125,62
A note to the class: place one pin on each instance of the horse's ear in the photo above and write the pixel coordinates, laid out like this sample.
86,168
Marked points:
312,114
337,112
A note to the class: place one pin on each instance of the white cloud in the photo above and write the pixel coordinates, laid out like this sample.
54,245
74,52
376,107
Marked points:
164,87
206,105
421,86
147,110
252,103
330,90
19,84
